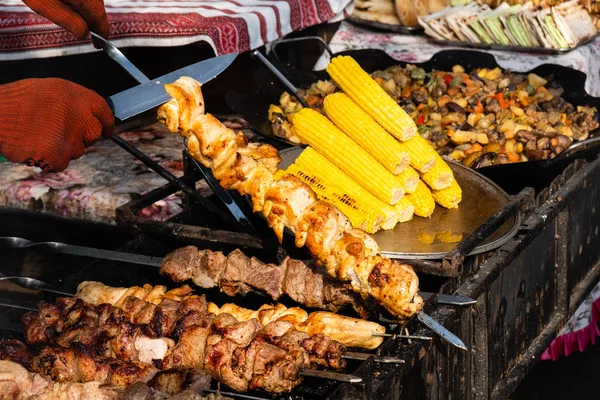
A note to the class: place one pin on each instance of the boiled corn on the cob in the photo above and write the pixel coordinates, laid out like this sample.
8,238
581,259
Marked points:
333,185
422,155
405,209
423,200
361,88
321,134
449,197
440,176
409,178
366,132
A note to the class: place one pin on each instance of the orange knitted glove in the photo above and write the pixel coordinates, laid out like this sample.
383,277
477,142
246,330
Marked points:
48,122
77,16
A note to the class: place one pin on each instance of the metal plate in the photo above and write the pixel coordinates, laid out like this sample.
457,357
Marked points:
407,30
517,49
482,198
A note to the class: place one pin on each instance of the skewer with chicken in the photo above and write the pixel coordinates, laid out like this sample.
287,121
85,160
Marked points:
286,202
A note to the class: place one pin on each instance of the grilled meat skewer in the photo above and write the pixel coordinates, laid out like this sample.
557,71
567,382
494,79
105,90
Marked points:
17,382
351,332
237,273
348,254
243,355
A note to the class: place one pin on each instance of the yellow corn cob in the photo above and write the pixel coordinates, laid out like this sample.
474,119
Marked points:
333,185
409,178
405,209
440,176
367,133
423,201
361,88
321,134
422,155
449,197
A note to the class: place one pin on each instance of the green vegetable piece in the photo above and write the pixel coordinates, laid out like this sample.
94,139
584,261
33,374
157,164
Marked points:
457,80
417,74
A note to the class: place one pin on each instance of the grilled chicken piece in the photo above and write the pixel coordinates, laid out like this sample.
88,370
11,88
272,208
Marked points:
285,202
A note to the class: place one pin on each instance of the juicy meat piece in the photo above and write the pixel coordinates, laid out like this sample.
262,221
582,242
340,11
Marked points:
273,369
192,318
189,350
15,351
324,351
41,326
68,365
126,374
131,307
170,382
267,278
241,333
165,317
196,303
215,363
295,279
235,272
180,264
214,263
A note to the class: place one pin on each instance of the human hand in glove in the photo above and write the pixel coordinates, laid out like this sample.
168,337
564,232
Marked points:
49,122
77,16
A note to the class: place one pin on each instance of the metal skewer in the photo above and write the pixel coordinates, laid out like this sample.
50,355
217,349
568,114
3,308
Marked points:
334,376
351,355
232,394
400,336
36,284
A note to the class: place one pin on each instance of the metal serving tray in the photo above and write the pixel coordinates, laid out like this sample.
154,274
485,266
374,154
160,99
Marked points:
407,30
518,49
482,198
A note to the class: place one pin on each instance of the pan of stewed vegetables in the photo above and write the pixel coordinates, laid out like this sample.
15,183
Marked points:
480,118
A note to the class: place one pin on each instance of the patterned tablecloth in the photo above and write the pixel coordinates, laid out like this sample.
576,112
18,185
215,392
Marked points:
584,327
228,26
105,178
417,48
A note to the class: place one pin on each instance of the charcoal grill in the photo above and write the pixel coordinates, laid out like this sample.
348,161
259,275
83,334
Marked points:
526,290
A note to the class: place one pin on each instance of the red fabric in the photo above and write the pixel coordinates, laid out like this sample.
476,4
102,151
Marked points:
76,16
577,341
229,25
48,122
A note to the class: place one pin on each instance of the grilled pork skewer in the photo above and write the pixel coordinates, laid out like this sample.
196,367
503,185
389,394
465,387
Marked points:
237,273
347,254
351,332
243,355
67,367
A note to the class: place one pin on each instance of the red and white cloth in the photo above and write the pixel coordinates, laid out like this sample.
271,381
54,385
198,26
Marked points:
228,26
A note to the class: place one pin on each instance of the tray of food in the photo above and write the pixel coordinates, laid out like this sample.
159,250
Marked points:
413,237
464,105
398,16
520,27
